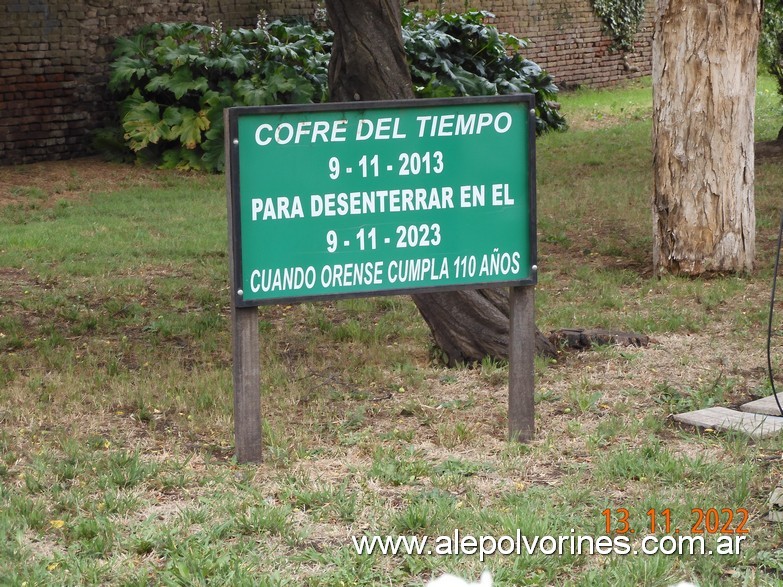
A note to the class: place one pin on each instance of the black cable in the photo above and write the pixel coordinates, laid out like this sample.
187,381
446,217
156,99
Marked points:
771,311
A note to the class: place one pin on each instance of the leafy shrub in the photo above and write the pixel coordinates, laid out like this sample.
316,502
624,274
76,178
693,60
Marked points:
174,80
460,55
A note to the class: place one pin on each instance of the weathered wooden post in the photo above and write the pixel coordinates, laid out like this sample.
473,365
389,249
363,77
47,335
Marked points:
521,363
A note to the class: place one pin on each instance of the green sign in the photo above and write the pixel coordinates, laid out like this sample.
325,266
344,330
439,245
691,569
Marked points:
381,197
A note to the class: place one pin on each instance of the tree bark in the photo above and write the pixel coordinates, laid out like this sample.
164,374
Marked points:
368,58
704,76
368,63
471,324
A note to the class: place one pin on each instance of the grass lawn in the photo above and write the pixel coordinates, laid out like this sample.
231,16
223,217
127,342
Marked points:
116,430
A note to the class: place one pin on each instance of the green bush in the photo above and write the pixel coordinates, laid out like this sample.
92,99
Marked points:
460,55
173,81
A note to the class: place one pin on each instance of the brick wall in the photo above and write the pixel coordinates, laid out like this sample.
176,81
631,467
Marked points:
565,36
54,56
566,39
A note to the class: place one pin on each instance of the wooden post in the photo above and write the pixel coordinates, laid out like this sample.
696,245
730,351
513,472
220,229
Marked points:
245,347
247,384
521,366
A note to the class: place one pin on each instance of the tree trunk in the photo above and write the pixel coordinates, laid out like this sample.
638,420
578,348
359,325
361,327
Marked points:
368,58
368,63
471,324
704,76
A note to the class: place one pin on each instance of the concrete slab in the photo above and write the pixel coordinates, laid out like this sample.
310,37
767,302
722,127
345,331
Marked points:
754,425
765,405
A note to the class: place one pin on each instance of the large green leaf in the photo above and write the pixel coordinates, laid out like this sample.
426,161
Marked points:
214,158
187,125
181,159
132,101
125,69
471,84
179,83
172,117
176,55
134,46
251,92
236,64
143,125
285,85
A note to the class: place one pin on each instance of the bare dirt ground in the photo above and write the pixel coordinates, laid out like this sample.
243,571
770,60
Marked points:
769,150
50,181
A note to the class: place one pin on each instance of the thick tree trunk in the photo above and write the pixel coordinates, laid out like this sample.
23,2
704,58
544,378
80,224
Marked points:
368,63
704,76
368,59
471,324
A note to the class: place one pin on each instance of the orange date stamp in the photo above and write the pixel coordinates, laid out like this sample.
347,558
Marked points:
702,521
